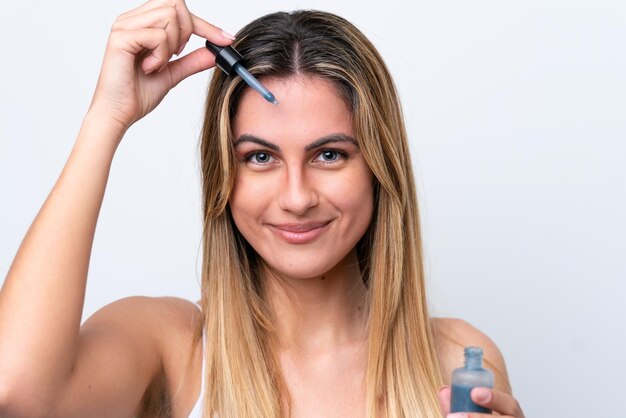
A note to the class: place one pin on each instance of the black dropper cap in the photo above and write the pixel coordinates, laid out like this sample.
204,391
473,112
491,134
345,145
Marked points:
225,56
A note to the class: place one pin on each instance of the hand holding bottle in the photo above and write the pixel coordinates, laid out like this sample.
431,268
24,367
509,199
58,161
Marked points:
472,394
497,401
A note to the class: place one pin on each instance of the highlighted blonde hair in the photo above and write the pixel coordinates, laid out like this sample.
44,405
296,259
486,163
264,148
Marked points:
242,375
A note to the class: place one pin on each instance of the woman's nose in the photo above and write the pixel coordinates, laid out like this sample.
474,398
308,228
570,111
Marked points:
297,192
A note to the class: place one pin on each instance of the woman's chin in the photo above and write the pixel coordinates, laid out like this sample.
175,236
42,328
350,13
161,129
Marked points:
310,266
298,272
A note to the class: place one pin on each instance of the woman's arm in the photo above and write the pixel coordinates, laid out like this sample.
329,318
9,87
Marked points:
42,298
47,367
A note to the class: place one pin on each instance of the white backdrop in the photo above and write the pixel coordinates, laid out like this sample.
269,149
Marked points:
517,117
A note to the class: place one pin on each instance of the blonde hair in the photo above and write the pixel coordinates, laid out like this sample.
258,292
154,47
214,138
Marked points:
242,374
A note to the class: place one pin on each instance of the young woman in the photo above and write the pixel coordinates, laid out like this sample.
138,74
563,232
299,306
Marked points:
313,297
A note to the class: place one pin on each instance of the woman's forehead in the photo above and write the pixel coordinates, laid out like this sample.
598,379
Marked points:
308,107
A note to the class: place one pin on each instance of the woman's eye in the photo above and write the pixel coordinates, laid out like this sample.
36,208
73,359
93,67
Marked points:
259,157
329,156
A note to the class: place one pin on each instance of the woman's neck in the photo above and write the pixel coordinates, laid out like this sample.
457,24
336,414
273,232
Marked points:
318,313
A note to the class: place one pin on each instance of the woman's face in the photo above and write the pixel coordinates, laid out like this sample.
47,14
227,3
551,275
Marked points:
303,194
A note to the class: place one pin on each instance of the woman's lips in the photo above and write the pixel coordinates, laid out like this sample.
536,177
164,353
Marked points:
299,233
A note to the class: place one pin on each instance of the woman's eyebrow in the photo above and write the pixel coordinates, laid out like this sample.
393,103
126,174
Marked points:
317,143
330,139
256,140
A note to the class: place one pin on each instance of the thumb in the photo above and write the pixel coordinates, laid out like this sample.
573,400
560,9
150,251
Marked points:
199,60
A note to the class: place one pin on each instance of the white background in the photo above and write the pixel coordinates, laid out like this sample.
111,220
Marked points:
516,115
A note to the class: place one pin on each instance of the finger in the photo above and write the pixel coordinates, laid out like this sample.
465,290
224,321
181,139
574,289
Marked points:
192,63
160,18
185,22
444,399
150,4
134,41
188,20
211,32
497,401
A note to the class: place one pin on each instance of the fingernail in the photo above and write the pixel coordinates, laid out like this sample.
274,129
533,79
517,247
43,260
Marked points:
481,394
442,388
457,415
228,35
182,46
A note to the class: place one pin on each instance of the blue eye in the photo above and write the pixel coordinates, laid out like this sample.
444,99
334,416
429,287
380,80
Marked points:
259,157
330,156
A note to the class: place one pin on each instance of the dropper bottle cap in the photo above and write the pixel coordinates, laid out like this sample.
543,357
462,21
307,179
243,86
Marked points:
225,57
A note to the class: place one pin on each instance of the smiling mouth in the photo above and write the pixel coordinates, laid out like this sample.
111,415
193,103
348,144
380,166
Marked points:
299,233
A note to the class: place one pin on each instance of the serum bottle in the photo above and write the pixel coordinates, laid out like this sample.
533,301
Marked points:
468,377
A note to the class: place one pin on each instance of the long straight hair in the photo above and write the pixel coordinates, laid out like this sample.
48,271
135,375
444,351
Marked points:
242,374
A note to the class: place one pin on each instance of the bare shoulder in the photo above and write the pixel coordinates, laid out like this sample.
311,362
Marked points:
154,323
133,356
150,317
452,335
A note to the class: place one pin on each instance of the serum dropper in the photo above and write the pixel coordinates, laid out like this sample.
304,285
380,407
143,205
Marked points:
229,60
